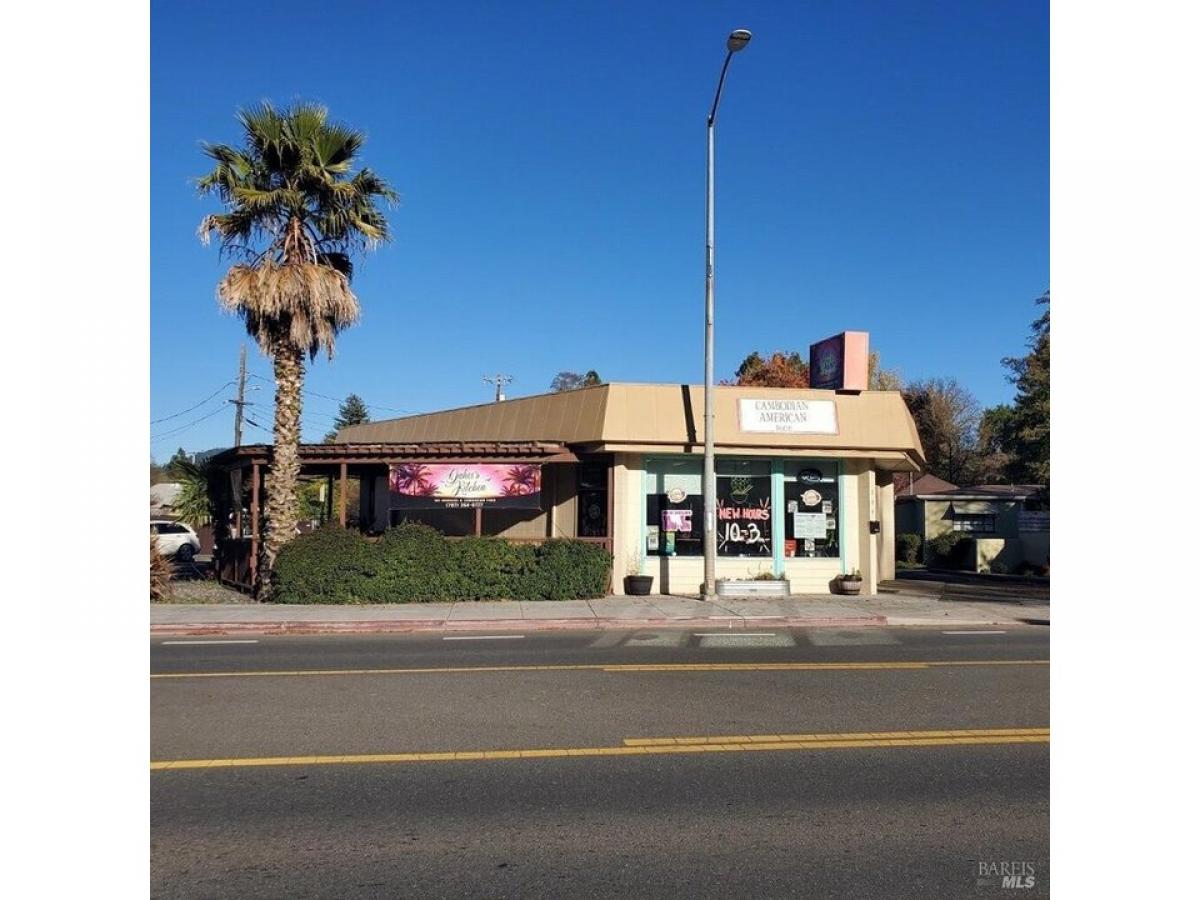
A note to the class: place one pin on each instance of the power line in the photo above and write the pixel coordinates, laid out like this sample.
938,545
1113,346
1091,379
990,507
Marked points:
340,400
190,408
159,437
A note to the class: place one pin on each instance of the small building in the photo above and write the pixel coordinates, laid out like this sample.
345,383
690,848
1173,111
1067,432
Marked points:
804,479
162,499
1008,522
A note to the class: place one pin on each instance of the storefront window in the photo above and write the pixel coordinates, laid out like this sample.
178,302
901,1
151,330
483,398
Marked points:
592,500
743,507
675,508
811,510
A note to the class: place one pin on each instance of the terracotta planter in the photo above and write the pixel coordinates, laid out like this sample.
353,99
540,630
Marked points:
638,585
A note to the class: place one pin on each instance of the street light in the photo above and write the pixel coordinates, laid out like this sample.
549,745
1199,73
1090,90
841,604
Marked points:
737,40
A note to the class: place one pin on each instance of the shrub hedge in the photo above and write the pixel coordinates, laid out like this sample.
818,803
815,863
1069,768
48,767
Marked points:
908,548
414,563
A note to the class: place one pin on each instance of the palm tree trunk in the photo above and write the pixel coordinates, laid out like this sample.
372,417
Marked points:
282,506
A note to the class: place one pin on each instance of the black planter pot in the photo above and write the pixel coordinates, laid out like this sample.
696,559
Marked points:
638,585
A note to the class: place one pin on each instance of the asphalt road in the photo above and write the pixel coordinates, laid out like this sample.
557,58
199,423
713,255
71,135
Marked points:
847,814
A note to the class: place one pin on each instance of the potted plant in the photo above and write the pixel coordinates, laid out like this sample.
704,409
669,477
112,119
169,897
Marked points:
850,583
636,584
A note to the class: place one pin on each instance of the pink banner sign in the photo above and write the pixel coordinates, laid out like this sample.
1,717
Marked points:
456,486
677,520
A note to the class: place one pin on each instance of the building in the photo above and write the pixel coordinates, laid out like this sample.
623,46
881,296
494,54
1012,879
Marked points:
804,479
1009,523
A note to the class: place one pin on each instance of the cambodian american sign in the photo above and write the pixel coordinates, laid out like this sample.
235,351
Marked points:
455,486
784,416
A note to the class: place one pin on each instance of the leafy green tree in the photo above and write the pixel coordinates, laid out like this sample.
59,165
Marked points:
295,211
194,504
178,459
352,412
996,444
1031,408
947,419
570,381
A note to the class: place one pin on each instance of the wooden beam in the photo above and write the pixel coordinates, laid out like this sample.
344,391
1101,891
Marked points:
254,524
342,496
478,521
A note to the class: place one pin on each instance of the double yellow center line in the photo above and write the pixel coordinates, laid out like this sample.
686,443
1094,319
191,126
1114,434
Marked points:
654,746
612,668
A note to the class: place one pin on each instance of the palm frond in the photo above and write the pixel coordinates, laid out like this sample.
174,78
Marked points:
296,210
298,304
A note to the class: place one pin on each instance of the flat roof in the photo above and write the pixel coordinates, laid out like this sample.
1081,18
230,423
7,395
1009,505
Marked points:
665,418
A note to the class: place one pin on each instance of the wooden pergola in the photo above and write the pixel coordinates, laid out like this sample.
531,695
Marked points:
237,486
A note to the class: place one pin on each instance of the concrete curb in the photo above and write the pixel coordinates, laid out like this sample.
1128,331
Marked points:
424,625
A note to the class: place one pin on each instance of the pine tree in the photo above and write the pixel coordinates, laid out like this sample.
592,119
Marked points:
352,412
1031,409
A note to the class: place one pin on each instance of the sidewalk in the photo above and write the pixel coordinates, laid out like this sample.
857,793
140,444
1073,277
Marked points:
655,611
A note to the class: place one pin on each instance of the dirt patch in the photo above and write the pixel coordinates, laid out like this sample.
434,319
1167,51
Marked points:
203,591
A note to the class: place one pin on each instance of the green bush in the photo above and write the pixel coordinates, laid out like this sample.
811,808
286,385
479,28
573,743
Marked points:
330,565
908,548
569,569
414,563
953,550
488,568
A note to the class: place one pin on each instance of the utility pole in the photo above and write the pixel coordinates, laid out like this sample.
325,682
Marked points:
499,381
240,402
737,41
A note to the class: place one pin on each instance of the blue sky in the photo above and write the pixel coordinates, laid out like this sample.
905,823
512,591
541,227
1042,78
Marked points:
880,166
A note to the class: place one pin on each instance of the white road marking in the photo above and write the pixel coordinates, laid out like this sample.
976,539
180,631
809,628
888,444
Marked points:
865,637
726,634
168,643
974,632
747,639
482,637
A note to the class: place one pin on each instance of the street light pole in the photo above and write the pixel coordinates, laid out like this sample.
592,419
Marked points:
737,40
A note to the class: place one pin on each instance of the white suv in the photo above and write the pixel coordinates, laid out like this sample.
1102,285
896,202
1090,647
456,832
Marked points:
175,539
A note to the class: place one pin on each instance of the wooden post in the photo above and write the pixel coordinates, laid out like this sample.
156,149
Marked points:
237,509
254,526
478,521
342,496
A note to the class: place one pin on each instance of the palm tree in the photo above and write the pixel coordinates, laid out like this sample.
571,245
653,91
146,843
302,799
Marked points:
294,212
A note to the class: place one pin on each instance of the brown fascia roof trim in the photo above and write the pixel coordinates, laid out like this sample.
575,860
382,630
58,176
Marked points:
378,452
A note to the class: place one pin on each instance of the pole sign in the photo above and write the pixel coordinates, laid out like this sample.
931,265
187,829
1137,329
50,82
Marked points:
454,486
840,363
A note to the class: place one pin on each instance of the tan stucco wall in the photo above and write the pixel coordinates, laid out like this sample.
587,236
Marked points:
627,510
886,539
